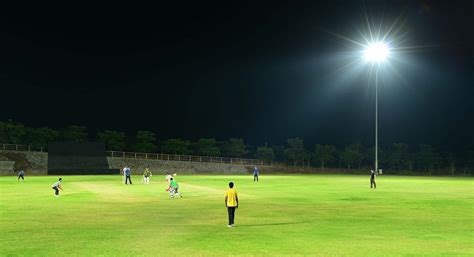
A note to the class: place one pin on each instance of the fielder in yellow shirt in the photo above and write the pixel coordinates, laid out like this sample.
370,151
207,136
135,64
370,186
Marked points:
231,202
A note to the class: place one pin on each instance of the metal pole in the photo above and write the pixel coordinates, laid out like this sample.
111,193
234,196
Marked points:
376,125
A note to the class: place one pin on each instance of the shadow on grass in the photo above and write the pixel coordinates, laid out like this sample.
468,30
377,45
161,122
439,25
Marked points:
273,224
356,199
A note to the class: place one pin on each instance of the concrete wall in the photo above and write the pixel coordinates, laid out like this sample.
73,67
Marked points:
162,167
34,163
7,167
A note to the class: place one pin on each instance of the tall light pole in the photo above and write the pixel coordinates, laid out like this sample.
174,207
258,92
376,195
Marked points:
375,54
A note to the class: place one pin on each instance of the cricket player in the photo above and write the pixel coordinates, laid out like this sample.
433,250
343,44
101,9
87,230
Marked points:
56,186
256,172
372,179
146,176
21,175
127,173
232,203
169,176
173,188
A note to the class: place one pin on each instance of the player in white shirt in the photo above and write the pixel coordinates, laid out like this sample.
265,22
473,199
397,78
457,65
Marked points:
56,186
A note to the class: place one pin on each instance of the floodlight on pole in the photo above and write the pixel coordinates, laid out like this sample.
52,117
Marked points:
378,47
376,53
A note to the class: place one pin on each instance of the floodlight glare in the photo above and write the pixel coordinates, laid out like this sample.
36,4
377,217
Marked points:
376,52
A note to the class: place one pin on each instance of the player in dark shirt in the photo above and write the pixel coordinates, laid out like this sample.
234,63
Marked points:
372,180
21,175
256,172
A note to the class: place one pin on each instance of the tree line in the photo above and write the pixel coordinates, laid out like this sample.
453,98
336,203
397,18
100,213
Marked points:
397,158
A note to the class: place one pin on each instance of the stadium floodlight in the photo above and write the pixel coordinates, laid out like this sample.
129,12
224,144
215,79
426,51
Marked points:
376,52
376,49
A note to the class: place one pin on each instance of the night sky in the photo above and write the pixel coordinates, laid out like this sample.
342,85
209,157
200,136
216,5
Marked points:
260,71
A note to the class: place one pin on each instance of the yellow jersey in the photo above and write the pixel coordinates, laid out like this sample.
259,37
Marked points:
231,195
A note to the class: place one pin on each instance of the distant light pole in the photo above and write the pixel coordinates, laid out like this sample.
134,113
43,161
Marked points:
376,54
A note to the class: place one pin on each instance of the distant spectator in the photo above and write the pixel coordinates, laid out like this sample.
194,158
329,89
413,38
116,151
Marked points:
21,175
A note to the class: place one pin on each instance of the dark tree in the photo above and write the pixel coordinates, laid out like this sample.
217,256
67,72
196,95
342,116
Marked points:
410,161
324,154
12,132
145,142
451,161
176,146
250,151
369,156
398,156
113,140
279,151
75,133
352,155
40,137
207,147
234,147
427,157
295,150
265,153
469,162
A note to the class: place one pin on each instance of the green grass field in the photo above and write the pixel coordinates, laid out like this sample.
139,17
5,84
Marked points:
298,215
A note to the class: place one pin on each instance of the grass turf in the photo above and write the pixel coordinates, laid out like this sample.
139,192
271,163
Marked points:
298,215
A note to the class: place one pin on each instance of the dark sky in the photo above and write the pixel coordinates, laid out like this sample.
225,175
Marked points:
261,71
